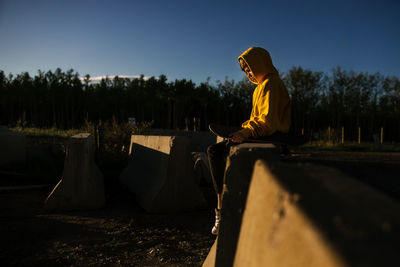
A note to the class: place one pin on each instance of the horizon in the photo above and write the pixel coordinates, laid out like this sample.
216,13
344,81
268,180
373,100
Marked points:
98,79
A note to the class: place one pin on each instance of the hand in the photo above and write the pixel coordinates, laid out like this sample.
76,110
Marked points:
237,137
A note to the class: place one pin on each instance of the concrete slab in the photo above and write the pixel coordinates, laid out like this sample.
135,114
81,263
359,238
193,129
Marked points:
82,185
238,173
160,174
301,215
12,147
210,260
199,140
348,218
276,232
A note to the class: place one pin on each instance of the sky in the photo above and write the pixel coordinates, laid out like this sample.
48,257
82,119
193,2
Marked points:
197,39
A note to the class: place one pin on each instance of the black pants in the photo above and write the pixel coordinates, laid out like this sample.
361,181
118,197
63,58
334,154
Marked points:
217,155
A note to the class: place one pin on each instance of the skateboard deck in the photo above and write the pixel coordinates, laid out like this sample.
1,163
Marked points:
276,138
222,130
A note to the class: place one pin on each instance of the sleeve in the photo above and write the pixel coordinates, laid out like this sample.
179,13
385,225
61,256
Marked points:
265,120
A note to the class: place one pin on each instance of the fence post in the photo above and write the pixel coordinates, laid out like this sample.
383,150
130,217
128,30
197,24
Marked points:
100,136
342,135
381,135
302,131
359,135
186,124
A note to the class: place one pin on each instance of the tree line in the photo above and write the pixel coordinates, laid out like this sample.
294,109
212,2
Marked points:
336,99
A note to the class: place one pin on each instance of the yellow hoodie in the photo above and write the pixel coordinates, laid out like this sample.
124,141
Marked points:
271,102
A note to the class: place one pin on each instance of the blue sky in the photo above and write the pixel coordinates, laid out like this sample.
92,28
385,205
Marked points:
196,39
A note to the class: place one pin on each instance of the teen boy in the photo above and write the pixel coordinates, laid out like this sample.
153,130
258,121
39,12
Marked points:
270,114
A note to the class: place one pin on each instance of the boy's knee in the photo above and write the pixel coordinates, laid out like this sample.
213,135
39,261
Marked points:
217,148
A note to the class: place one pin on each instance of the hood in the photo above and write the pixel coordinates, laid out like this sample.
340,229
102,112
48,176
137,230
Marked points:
259,62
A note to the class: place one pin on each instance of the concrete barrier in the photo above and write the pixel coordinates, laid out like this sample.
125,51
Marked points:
238,172
199,140
303,215
210,259
82,185
318,216
160,174
276,232
12,147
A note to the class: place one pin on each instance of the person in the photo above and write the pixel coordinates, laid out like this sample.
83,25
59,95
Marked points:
270,115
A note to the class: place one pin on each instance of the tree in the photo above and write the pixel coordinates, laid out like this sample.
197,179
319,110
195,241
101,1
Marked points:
304,88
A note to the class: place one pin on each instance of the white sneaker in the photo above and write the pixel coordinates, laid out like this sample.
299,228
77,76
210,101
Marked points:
215,229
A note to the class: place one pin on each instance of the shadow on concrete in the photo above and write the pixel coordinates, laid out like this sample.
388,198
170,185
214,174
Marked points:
358,221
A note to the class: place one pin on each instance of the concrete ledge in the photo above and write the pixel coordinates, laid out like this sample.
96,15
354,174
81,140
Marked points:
276,232
210,259
319,216
199,140
12,147
302,215
238,172
82,185
160,173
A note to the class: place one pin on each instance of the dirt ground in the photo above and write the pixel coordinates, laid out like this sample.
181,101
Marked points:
122,234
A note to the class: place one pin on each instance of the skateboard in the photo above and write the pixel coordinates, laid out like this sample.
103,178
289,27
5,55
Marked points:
276,138
222,130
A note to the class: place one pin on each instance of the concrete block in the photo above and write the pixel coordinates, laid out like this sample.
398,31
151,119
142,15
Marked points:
301,215
238,173
160,174
82,185
12,147
275,231
210,259
318,216
199,140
